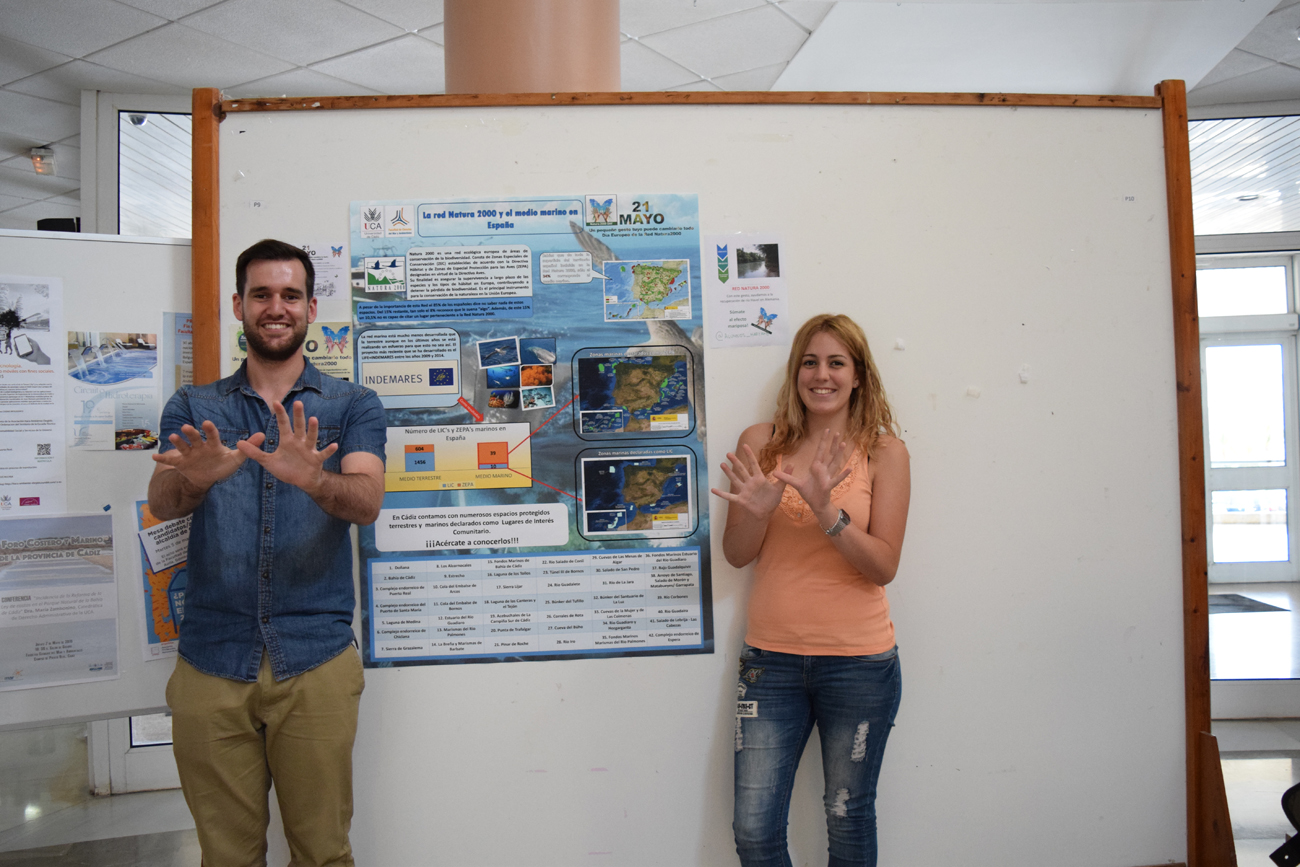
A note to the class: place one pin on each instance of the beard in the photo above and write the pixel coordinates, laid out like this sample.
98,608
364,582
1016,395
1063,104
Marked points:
276,352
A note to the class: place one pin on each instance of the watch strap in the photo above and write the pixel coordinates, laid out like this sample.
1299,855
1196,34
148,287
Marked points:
840,523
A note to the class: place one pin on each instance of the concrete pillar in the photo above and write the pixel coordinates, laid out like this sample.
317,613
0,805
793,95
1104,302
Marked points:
531,46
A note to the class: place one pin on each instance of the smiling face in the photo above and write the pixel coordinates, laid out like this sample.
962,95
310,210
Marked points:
826,376
275,308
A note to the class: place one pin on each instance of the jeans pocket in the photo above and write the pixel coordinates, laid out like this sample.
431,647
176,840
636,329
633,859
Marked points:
888,656
748,652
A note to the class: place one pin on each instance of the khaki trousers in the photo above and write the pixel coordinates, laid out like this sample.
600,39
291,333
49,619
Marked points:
231,739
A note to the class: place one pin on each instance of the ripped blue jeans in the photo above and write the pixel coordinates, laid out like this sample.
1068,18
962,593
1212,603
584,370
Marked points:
780,696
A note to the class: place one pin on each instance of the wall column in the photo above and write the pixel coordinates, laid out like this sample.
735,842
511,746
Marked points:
531,46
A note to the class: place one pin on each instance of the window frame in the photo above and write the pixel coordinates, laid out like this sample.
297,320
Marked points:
1264,329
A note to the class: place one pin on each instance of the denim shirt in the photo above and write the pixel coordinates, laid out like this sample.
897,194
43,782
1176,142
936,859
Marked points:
267,566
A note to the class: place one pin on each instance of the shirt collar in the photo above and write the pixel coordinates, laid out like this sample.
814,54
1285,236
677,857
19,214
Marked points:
309,378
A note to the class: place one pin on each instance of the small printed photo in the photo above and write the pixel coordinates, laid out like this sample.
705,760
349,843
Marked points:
535,374
505,398
494,353
503,377
757,261
602,209
537,350
537,398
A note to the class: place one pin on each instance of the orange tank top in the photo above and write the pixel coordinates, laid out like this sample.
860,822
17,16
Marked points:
807,599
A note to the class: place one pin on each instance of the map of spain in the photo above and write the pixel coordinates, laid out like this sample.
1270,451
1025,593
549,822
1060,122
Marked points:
655,289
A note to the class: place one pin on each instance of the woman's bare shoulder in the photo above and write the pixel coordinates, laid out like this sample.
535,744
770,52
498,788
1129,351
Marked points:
890,451
756,435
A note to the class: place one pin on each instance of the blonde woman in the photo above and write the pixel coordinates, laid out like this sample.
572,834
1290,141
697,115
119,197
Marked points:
818,502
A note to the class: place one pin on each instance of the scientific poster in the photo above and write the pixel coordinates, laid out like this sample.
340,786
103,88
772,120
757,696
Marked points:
113,388
746,292
541,365
33,460
164,546
58,601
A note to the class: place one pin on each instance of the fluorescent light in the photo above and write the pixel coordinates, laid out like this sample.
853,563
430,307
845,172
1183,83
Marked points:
43,160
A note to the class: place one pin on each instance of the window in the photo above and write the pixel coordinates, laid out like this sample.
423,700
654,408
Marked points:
154,177
1248,381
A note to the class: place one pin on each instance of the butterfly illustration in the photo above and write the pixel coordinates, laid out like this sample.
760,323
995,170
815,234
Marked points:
338,251
335,339
600,211
765,319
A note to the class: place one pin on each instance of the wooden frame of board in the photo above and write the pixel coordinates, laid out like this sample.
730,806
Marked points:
1209,835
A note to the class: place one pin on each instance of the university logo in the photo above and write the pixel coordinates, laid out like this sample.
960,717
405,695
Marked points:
372,222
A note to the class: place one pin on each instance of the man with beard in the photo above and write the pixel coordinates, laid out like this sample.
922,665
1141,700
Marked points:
268,681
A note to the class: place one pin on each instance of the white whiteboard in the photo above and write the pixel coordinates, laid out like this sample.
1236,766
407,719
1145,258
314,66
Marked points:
1038,605
110,283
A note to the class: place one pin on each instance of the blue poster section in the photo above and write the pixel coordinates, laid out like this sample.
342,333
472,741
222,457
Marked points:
540,361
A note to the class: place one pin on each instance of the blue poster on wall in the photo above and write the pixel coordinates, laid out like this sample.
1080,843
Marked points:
541,364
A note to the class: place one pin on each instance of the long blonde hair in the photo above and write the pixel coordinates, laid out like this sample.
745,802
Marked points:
870,414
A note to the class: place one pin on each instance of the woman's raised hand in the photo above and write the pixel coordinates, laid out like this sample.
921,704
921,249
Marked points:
750,489
829,467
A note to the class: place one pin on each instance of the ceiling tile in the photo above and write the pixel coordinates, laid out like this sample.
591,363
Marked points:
301,31
9,201
436,33
406,65
172,10
1273,83
25,217
36,120
1236,63
65,83
404,13
754,79
188,58
73,27
698,85
735,43
19,60
13,146
298,82
641,17
810,13
67,162
1275,36
644,69
25,182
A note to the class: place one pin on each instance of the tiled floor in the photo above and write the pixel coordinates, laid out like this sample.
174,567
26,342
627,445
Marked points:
48,817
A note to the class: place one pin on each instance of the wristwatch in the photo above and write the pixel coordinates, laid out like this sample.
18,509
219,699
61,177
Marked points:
839,525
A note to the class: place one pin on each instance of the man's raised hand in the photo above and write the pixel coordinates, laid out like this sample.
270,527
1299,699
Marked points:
296,460
200,458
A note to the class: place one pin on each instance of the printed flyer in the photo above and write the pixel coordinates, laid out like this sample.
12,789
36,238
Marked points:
58,601
164,546
328,346
113,387
746,292
541,365
178,353
33,457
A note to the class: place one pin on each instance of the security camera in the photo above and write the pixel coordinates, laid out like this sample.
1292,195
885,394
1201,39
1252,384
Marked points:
137,119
